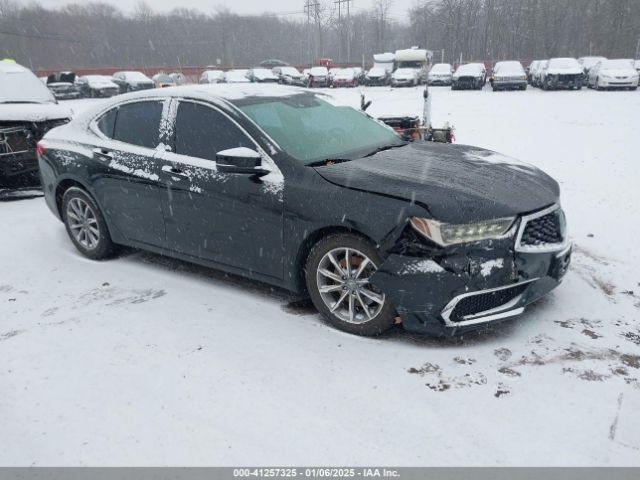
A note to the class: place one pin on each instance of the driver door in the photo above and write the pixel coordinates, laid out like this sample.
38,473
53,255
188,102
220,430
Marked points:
228,218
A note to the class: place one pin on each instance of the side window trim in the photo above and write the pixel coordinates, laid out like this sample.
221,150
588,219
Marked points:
211,164
93,124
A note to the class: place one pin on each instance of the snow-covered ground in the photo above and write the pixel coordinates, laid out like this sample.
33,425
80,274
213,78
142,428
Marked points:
148,361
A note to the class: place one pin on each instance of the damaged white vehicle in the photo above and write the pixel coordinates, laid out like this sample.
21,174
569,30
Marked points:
28,110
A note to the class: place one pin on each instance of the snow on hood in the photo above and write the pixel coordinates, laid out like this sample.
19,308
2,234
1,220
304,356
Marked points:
27,112
472,69
440,69
377,72
457,183
509,69
319,71
564,66
345,73
263,74
405,73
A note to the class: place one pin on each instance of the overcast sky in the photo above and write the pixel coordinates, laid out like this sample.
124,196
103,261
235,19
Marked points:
399,9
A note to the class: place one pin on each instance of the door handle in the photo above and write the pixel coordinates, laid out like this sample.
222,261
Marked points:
173,171
102,154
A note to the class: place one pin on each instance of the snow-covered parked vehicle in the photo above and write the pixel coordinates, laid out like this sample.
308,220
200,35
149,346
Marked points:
212,76
318,77
563,73
405,77
470,76
440,74
587,64
380,73
28,110
531,71
285,186
508,75
614,74
262,75
239,75
345,77
132,81
414,58
63,86
97,86
537,73
289,76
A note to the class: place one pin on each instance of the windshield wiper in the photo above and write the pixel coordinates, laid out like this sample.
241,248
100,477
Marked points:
328,161
382,149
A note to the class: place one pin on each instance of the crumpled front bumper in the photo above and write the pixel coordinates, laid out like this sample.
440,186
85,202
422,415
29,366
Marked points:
438,296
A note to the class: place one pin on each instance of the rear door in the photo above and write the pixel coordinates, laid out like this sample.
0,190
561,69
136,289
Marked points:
127,182
232,219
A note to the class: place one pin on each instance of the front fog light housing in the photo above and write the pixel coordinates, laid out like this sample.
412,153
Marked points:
445,234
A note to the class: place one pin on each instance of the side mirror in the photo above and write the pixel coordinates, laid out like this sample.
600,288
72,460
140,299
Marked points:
241,161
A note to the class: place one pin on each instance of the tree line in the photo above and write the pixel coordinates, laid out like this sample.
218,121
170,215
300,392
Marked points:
94,34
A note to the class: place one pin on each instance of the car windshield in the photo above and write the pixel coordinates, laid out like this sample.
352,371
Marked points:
620,63
136,77
416,65
469,69
22,86
312,130
509,68
319,71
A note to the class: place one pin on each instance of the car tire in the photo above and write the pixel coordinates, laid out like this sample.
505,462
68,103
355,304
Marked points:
86,225
338,287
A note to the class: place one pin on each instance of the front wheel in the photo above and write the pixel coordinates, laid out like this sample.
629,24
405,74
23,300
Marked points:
86,225
337,273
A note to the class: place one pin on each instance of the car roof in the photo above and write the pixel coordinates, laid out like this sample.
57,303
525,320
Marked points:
11,67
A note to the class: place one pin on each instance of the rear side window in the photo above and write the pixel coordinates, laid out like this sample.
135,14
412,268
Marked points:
139,123
107,122
201,132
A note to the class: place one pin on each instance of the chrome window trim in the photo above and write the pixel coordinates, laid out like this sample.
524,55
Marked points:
502,311
547,248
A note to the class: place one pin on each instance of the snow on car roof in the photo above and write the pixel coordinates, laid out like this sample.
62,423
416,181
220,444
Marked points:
441,67
469,68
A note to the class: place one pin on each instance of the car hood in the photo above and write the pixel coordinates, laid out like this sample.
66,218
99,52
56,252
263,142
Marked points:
102,85
405,73
457,183
619,72
26,112
564,70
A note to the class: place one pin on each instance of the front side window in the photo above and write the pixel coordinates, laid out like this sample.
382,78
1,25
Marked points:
201,132
311,129
139,123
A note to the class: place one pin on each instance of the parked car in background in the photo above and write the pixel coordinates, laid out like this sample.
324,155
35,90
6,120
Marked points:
637,65
414,59
359,73
212,76
163,80
250,186
289,76
96,86
63,86
587,63
440,74
28,109
538,74
129,81
470,76
614,74
380,73
262,75
508,75
345,77
533,66
178,78
318,77
563,73
237,76
405,77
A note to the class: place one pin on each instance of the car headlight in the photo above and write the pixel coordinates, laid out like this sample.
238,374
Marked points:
445,234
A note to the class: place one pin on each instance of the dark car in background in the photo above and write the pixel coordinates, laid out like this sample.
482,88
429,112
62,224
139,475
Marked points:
97,86
28,110
471,76
293,190
132,81
63,86
508,75
563,73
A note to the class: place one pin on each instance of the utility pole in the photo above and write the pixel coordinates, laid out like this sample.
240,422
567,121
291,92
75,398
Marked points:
638,49
341,27
307,8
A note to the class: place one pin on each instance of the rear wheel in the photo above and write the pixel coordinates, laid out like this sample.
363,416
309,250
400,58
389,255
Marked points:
86,225
337,274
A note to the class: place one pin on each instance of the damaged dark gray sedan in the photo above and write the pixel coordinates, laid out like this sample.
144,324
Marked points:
282,185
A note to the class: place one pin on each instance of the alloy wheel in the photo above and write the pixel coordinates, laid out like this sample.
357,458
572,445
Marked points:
343,282
83,223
